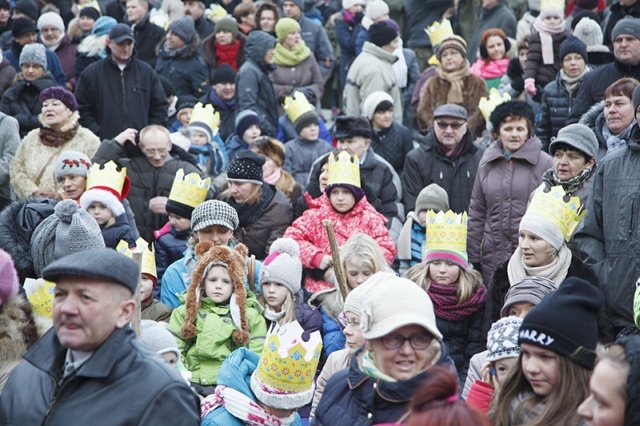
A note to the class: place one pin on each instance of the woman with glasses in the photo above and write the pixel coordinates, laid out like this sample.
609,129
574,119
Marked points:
510,169
401,342
453,84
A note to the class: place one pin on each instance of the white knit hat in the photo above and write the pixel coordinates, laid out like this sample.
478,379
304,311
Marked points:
375,9
395,303
502,340
589,32
156,338
50,19
283,265
347,4
372,101
356,299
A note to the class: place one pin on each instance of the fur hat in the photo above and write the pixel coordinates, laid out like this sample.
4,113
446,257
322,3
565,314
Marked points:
502,340
184,28
156,338
382,34
103,26
589,32
573,44
453,42
59,93
529,289
372,101
214,212
284,27
270,148
9,284
432,197
69,230
246,166
72,163
511,109
34,53
348,127
235,261
283,265
229,25
376,9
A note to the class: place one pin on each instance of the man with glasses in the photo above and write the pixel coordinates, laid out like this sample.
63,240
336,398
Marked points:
446,156
151,173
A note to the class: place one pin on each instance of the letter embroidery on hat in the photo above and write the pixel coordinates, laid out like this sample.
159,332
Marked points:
532,335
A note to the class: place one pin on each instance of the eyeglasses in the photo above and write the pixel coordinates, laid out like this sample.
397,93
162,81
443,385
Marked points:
344,322
152,152
418,342
454,126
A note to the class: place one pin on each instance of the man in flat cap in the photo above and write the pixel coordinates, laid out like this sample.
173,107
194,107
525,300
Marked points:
89,369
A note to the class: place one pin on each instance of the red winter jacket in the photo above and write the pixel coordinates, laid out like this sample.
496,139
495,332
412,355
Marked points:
311,235
480,395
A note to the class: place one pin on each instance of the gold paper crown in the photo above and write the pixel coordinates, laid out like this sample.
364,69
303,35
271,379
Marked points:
446,231
488,105
555,206
40,294
207,115
148,255
107,176
287,362
439,31
344,169
297,105
547,3
189,190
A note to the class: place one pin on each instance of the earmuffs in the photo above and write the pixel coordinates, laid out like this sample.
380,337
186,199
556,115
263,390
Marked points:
485,54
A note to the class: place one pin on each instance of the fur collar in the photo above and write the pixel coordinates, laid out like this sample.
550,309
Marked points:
18,328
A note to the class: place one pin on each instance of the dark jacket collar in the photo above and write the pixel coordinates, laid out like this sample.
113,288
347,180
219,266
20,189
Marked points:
431,142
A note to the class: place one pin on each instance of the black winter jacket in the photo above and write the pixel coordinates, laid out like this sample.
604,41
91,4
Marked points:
110,100
535,67
119,372
254,89
22,101
227,112
426,165
169,248
148,37
187,72
616,13
393,144
464,339
120,230
632,408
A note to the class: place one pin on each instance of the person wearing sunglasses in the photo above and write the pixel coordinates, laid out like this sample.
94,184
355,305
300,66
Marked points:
402,342
446,156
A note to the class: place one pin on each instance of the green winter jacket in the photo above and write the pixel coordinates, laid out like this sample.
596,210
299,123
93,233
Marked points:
203,355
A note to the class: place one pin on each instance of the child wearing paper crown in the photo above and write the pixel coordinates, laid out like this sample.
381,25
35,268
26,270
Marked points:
206,145
557,340
455,289
219,315
106,188
346,206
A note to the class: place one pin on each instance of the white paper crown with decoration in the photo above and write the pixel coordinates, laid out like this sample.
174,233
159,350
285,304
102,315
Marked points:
189,190
544,4
284,377
553,205
107,185
40,294
148,265
297,105
343,169
438,31
447,237
487,105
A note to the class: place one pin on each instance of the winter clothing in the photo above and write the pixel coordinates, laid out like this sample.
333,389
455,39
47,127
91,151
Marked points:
283,266
594,120
617,13
120,230
212,56
295,76
119,370
427,164
9,143
7,74
148,37
590,32
348,30
393,144
502,340
155,310
226,109
184,68
535,68
300,156
418,16
499,16
254,90
21,101
214,212
531,289
66,53
33,54
63,95
411,243
315,37
53,64
246,166
170,247
338,360
499,199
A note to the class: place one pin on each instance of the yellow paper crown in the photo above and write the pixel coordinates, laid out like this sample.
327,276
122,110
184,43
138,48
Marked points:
439,31
296,106
40,294
287,362
554,205
343,168
207,115
107,176
555,3
189,190
488,105
148,255
446,231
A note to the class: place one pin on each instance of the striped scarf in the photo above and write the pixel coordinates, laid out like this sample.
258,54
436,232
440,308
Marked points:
445,301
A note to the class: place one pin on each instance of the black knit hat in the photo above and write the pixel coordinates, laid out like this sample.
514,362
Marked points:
224,74
573,44
186,101
179,209
28,8
348,127
381,33
22,26
513,109
90,12
565,321
306,119
246,166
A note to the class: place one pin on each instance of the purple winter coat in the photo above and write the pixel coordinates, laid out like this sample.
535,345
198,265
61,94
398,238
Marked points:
66,53
499,200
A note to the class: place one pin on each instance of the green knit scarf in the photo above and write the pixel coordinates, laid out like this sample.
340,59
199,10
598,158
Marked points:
290,58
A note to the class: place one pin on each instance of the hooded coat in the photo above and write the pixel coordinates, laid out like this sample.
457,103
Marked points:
594,119
254,89
187,72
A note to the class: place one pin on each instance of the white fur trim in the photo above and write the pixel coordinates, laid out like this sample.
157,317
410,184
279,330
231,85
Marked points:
104,197
234,310
281,401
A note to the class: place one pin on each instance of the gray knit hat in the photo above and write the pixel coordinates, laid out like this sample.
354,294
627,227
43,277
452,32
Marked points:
69,230
283,265
229,25
577,136
529,289
589,31
543,228
72,163
184,28
34,53
214,212
502,340
432,197
628,26
356,299
156,338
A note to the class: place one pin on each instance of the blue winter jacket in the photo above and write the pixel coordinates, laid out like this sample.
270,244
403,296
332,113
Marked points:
332,337
170,247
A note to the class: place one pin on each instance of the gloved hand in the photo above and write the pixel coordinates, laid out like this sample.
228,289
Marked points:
517,84
530,86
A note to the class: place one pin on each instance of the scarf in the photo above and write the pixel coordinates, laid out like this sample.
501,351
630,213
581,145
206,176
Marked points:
452,153
228,54
523,413
372,371
57,138
490,69
53,46
348,17
208,153
615,142
546,40
400,66
446,303
250,213
283,57
570,83
274,177
241,407
556,271
572,185
272,315
455,78
165,52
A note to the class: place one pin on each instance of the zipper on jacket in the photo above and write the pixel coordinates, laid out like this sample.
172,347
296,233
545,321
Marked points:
124,92
59,387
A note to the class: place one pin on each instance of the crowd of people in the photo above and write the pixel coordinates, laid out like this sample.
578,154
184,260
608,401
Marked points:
319,212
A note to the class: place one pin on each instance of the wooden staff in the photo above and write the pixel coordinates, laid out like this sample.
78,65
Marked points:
335,256
137,315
